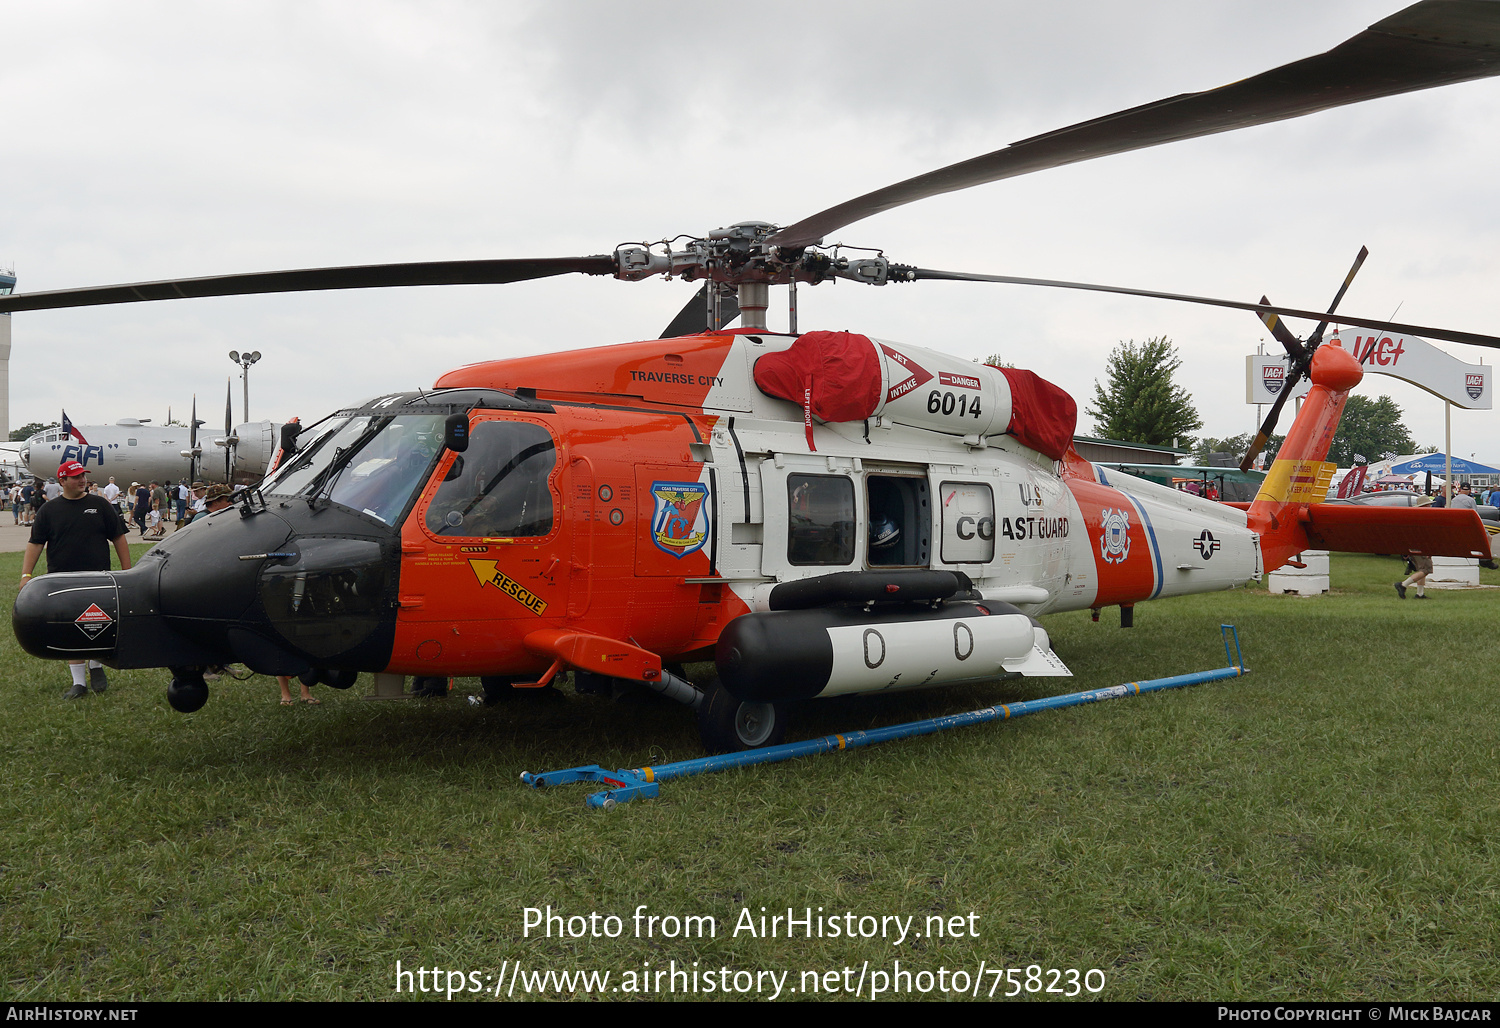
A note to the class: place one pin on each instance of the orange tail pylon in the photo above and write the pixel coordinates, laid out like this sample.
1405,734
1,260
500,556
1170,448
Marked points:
1299,476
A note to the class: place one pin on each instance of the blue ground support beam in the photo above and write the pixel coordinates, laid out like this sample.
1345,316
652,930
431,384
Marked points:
642,782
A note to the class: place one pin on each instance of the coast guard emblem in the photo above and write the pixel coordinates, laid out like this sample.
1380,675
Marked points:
1114,543
679,524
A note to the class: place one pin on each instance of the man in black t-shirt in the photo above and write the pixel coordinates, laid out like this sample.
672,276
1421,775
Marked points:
77,530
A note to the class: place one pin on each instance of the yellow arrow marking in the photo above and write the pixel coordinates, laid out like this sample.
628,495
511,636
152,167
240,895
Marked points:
487,573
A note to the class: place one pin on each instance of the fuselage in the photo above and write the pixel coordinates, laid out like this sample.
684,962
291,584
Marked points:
648,493
130,451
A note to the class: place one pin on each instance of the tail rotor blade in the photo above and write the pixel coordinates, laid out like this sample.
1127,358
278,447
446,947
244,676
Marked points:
1317,336
1269,425
1283,334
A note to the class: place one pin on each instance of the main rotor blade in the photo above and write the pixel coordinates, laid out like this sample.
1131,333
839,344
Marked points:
370,276
1391,327
1269,425
694,317
1359,259
1432,43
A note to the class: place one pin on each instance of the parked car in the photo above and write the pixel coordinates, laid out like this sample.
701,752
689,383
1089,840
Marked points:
1389,498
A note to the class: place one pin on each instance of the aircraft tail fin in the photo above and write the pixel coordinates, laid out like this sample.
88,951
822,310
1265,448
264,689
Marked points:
1300,475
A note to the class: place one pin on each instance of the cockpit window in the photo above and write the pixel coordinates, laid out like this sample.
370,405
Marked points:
388,469
312,456
371,463
498,486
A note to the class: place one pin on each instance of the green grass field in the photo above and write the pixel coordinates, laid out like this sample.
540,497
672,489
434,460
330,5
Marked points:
1325,828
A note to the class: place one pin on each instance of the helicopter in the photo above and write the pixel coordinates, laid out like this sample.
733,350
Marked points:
819,513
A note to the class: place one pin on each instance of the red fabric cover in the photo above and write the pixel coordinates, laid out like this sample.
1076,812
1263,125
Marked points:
833,376
1042,416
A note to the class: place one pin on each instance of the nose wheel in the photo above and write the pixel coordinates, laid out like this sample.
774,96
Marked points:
188,691
727,724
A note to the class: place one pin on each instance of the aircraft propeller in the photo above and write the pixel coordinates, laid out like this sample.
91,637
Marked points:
193,444
229,439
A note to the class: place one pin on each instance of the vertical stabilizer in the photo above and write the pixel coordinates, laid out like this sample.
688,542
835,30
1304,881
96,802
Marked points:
1299,476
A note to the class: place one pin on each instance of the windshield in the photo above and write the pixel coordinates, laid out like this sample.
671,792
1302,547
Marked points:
370,463
295,473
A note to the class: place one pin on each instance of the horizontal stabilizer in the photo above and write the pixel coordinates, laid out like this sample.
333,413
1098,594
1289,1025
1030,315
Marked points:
1424,531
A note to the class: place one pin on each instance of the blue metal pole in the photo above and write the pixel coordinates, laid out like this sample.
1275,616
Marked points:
642,782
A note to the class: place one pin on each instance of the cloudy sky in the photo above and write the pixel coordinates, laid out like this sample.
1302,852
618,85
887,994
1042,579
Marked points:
157,140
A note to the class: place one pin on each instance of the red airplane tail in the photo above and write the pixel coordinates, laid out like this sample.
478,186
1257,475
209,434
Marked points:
1288,511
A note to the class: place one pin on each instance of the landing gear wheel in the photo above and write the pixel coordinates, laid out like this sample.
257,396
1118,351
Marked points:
187,694
339,679
727,724
497,689
434,688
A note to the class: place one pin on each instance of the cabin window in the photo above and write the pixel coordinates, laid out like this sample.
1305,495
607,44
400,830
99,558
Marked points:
498,486
821,519
130,442
900,516
968,522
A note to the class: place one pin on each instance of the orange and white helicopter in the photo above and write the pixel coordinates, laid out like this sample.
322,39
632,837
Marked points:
819,513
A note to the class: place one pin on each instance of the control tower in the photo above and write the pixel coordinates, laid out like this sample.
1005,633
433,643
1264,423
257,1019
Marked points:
7,286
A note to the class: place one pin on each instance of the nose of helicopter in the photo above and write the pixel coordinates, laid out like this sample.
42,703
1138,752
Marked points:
178,607
69,616
281,591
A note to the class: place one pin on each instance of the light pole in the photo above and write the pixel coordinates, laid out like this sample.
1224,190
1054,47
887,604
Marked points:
244,360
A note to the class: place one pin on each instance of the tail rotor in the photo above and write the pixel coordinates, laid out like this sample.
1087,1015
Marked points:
1300,353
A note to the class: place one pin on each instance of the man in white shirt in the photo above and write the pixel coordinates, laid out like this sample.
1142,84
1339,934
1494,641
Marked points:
111,491
52,489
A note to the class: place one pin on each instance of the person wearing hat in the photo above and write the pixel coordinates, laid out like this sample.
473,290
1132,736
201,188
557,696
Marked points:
215,500
77,529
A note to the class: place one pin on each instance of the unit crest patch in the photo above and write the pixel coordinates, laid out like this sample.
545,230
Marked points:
679,523
1114,542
